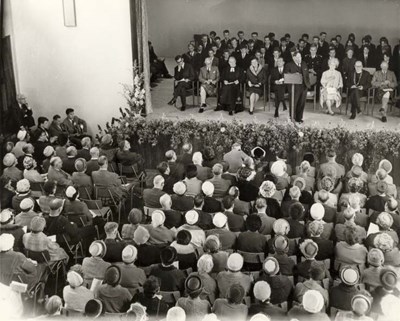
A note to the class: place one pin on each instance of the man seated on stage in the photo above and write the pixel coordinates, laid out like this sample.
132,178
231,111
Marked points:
278,85
385,81
273,62
314,64
242,58
230,91
157,65
297,66
208,77
75,127
211,55
358,84
184,75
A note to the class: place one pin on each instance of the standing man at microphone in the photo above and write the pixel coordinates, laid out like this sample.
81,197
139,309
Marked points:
297,66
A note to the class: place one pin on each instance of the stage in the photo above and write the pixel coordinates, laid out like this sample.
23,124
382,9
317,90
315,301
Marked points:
162,93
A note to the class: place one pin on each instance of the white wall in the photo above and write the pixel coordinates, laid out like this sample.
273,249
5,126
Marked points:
81,67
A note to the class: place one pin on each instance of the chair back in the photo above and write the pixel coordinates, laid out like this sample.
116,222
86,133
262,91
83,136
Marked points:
370,70
36,189
170,298
40,257
77,218
252,258
84,192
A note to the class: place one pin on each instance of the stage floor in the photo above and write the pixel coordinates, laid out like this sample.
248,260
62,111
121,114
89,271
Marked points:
162,94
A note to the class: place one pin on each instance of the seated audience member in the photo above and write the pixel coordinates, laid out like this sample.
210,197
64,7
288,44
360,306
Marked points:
181,200
377,202
7,192
187,155
256,79
29,151
76,295
209,78
68,165
176,313
93,164
389,280
296,228
23,138
211,205
278,86
331,82
309,250
360,307
214,248
310,309
37,241
80,179
252,240
303,171
151,196
232,276
194,306
325,247
385,81
56,173
205,219
53,307
262,293
148,254
281,248
132,277
61,148
267,190
15,263
341,295
340,228
150,298
293,197
56,127
173,218
30,172
317,213
193,184
114,297
11,171
23,190
231,307
308,157
384,222
49,190
235,221
130,161
184,75
235,157
266,220
248,191
240,207
209,157
203,173
27,213
221,185
281,227
185,249
84,152
171,279
354,186
313,282
74,206
357,84
135,217
198,236
392,208
94,267
385,243
177,170
108,149
157,64
169,181
371,275
114,243
159,234
205,265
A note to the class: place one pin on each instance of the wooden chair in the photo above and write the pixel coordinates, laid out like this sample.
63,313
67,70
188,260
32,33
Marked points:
84,193
36,189
76,250
96,207
190,91
106,196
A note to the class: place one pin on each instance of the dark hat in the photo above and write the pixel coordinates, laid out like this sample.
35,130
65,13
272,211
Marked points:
296,210
236,293
112,275
135,216
317,270
244,173
281,243
94,308
258,152
183,237
168,255
193,285
388,279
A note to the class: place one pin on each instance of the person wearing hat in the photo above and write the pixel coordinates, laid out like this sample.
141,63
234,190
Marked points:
377,202
156,307
114,243
181,200
354,186
23,190
313,282
213,247
281,227
129,159
258,154
226,237
262,293
205,266
159,234
148,254
309,250
327,183
385,243
388,279
27,213
235,221
311,308
28,151
262,212
349,216
392,208
187,256
386,166
15,263
115,298
94,309
57,174
80,179
341,294
252,240
132,277
74,206
296,229
233,275
76,295
303,172
53,306
211,204
371,275
279,170
94,267
325,247
171,278
385,222
7,225
11,171
317,213
267,190
308,157
231,306
175,314
135,217
30,171
23,138
360,307
37,241
198,236
194,306
280,244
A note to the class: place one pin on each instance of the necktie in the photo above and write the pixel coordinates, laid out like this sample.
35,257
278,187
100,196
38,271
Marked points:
232,69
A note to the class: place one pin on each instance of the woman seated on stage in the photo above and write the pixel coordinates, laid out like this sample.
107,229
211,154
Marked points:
255,81
331,83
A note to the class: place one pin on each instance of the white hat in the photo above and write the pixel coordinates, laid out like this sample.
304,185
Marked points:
357,159
235,262
74,279
6,216
313,301
271,265
317,211
262,291
295,192
6,242
97,248
9,160
22,134
26,204
278,168
129,254
386,165
267,189
205,263
260,317
300,180
207,188
48,151
23,186
192,217
70,191
220,219
179,188
157,218
349,275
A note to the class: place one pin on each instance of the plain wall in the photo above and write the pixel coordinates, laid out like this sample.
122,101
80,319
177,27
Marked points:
80,67
172,23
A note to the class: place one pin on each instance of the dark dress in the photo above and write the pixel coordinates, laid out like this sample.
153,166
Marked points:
231,91
256,77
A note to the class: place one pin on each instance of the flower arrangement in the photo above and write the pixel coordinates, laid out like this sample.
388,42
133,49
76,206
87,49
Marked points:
135,94
273,137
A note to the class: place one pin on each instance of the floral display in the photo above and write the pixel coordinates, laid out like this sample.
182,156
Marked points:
135,94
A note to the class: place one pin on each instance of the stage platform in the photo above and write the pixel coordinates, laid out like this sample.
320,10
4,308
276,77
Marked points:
162,94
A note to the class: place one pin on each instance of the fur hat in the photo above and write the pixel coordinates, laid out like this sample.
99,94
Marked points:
327,183
28,162
74,279
38,223
384,242
141,235
313,301
129,254
262,291
376,257
235,262
267,189
157,218
26,204
207,188
386,165
384,220
192,217
179,188
168,255
23,186
317,211
97,248
6,242
357,159
271,266
295,192
9,160
219,220
305,166
309,249
349,275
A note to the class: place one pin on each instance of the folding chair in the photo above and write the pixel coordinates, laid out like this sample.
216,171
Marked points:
36,189
76,250
105,195
78,219
97,208
188,91
147,212
170,298
252,258
84,193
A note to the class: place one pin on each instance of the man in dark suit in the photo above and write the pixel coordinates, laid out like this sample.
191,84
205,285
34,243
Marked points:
367,57
358,84
184,75
214,60
243,58
302,48
278,85
226,42
289,43
339,49
75,127
297,66
275,43
241,39
157,65
257,42
56,127
285,50
85,151
323,45
314,64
